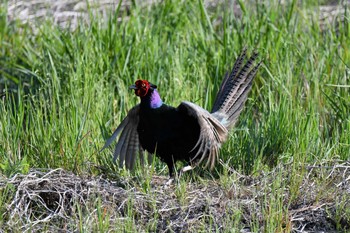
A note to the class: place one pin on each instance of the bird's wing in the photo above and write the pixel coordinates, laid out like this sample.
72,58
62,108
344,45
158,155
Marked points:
128,145
212,134
234,89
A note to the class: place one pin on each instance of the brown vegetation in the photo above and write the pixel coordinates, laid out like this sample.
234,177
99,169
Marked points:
57,199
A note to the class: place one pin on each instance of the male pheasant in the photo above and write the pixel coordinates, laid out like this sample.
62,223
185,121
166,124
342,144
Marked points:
188,132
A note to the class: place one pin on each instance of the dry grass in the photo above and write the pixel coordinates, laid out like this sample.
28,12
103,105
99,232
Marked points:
55,199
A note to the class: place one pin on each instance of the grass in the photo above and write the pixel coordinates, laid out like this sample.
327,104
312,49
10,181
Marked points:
63,93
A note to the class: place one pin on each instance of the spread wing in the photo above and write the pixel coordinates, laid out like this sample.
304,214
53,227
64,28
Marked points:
212,134
128,145
234,90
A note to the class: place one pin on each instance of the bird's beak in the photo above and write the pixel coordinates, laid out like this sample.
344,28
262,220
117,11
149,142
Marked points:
133,87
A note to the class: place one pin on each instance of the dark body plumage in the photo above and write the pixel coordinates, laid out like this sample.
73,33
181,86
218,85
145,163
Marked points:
188,132
169,132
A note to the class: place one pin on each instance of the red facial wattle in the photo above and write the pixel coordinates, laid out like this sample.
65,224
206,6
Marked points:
142,87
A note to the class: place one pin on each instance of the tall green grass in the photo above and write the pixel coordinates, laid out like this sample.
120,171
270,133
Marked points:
64,92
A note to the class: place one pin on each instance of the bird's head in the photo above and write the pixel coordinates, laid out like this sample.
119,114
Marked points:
142,87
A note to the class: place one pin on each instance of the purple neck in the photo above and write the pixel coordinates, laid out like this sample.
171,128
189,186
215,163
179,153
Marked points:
153,100
156,101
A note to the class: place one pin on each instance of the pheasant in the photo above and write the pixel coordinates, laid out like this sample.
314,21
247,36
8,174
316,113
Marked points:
187,133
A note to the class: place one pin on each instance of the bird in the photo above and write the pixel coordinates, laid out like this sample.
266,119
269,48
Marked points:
188,132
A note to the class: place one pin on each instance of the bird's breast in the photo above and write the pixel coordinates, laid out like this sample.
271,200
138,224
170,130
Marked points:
168,133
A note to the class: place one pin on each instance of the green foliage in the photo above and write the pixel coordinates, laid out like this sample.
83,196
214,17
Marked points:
64,92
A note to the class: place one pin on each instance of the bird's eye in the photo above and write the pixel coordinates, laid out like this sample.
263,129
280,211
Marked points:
143,85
